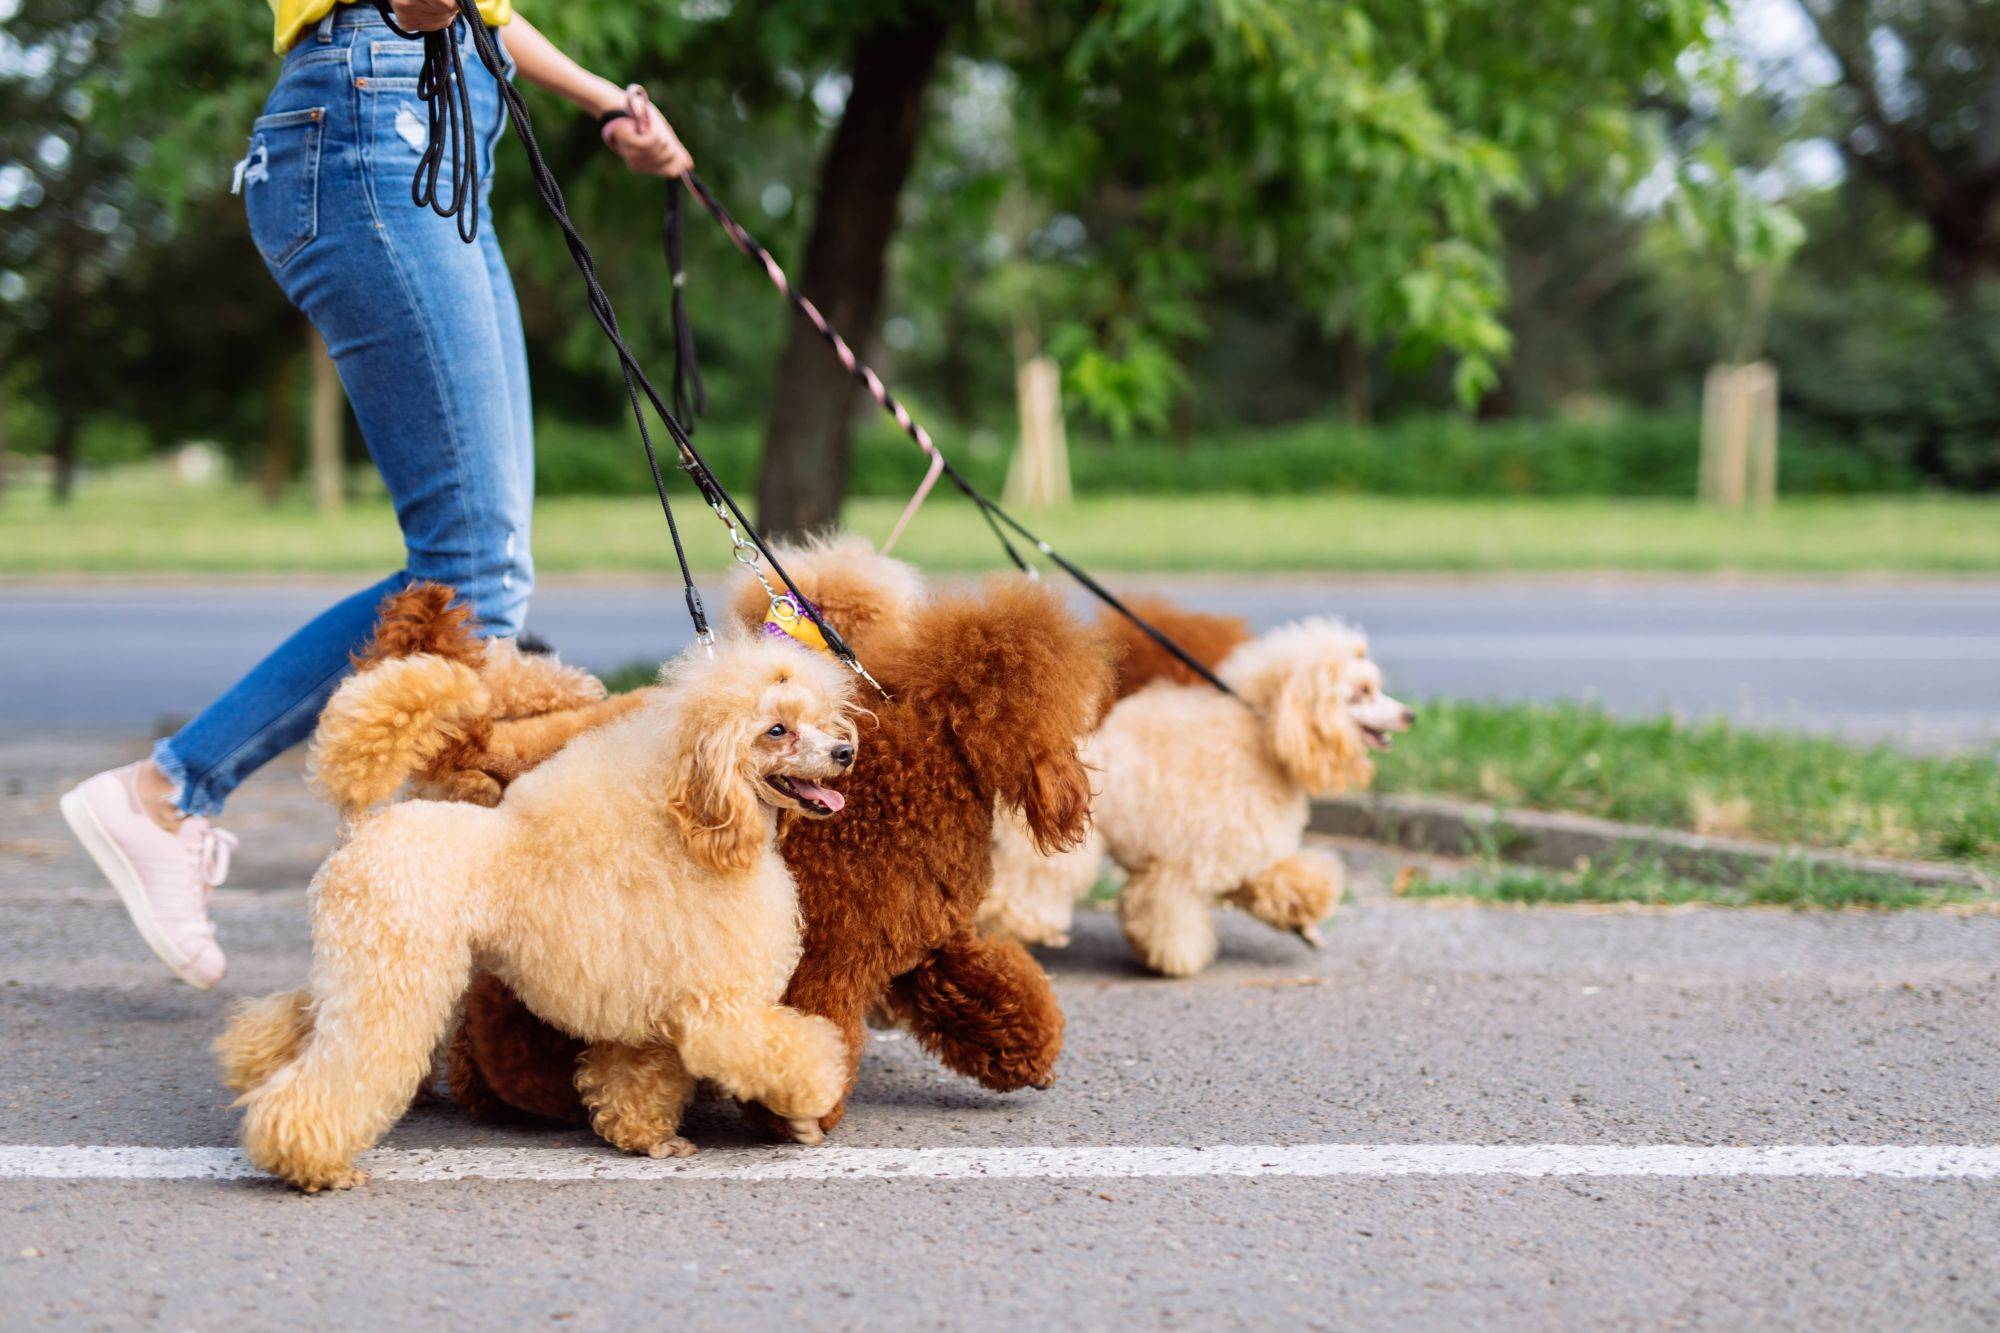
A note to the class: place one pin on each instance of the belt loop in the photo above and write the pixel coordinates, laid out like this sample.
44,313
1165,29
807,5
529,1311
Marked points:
324,33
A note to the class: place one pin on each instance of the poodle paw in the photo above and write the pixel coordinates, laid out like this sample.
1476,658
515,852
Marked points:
804,1131
641,1140
1171,961
673,1147
339,1178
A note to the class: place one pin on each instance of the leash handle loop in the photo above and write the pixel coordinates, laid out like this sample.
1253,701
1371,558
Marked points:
447,103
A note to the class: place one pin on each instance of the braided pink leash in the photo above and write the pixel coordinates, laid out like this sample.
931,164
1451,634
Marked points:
870,380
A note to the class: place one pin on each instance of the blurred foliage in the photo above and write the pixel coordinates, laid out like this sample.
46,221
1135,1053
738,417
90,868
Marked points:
1354,154
1437,454
1217,214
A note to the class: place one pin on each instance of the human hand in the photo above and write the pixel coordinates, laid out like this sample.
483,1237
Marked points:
644,139
424,15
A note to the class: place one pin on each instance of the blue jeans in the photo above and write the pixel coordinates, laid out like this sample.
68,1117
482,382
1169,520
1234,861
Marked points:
427,337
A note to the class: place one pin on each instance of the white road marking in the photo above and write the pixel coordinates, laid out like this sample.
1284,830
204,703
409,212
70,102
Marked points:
1671,647
1835,1161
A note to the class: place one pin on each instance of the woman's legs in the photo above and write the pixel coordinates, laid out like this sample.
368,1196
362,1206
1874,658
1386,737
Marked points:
426,335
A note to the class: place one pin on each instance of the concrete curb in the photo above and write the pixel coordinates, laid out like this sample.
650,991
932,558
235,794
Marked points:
1562,841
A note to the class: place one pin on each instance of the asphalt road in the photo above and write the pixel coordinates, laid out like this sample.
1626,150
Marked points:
1419,1025
1917,663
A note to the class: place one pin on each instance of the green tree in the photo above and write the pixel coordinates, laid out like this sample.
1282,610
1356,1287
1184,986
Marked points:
1360,151
1916,111
1349,156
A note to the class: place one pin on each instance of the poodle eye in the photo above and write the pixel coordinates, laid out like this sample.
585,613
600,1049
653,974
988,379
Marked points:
777,730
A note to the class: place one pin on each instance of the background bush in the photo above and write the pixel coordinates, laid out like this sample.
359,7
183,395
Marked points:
1443,455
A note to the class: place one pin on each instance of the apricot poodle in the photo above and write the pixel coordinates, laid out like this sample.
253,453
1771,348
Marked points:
1203,799
630,889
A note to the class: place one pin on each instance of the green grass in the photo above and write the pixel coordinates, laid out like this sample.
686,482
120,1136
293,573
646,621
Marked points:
1789,883
136,521
1709,777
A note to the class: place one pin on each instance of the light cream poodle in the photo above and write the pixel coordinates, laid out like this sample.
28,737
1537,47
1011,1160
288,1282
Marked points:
1202,800
630,889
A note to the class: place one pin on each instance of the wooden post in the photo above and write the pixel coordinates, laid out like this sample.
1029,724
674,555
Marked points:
1763,432
1039,472
1739,435
324,443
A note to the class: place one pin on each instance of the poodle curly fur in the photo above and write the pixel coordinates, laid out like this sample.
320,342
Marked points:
630,889
526,707
991,692
1204,801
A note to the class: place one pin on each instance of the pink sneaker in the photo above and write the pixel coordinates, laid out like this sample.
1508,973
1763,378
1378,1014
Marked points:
163,878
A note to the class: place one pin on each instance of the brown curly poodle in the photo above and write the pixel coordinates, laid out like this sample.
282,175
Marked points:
991,692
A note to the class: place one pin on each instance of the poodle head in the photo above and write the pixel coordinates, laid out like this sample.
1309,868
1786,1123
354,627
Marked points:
764,724
1018,682
866,596
1324,710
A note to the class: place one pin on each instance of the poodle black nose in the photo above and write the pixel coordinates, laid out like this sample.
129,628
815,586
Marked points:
1409,717
843,755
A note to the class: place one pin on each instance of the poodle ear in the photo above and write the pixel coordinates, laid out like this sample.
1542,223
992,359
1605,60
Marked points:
1055,799
1324,759
710,797
1019,681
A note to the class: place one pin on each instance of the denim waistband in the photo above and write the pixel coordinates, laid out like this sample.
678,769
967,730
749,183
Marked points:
342,26
358,14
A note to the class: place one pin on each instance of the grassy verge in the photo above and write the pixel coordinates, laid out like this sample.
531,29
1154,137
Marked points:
1785,884
137,522
1706,777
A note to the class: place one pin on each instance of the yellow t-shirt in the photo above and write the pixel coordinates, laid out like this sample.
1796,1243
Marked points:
294,16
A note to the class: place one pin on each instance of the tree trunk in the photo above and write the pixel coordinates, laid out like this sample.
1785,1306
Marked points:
329,408
1357,381
1965,247
808,436
281,434
62,449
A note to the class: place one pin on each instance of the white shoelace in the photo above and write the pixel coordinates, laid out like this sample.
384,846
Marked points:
212,856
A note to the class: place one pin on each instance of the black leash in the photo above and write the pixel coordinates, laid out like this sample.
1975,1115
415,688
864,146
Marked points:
440,59
690,397
448,113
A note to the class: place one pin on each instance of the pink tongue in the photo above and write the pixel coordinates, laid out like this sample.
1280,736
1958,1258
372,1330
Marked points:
812,791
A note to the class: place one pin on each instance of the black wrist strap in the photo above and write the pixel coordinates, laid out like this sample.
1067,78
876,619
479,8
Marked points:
616,113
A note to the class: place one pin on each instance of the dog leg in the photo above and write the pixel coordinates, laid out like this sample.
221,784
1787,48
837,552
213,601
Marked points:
984,1009
635,1095
1294,893
384,1000
1165,915
263,1037
1034,897
793,1063
507,1064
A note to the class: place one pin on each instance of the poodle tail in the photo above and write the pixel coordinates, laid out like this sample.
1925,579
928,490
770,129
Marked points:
389,723
263,1037
423,618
